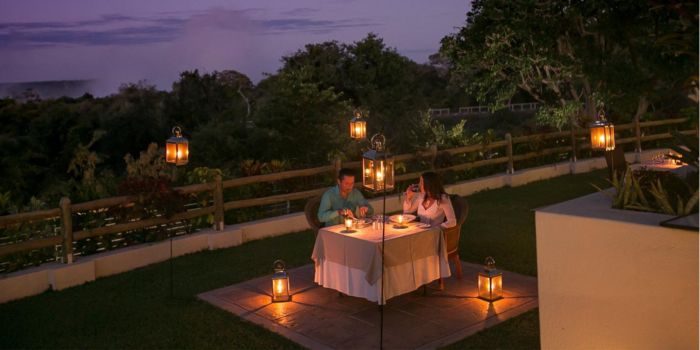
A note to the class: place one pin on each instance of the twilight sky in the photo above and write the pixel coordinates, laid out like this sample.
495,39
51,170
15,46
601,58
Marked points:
124,41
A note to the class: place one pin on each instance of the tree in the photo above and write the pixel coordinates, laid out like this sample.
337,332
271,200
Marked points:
568,55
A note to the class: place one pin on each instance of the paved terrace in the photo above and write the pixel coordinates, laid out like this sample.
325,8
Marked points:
321,318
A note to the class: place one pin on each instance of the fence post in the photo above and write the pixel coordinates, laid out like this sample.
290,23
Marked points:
638,139
573,142
337,163
509,153
433,155
67,228
218,203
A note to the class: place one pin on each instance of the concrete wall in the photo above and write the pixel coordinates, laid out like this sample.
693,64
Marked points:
60,276
614,279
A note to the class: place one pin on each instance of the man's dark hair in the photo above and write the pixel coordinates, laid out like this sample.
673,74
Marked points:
343,172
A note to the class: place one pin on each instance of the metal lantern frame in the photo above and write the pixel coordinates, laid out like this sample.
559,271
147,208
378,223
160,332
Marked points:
602,134
378,167
177,149
358,127
490,282
280,283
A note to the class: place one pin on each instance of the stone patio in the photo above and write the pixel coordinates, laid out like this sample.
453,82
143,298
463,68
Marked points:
321,318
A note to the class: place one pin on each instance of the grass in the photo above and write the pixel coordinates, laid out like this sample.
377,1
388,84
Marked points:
501,222
135,310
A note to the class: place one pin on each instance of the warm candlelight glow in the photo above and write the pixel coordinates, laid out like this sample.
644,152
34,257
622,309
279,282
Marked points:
177,148
380,175
602,135
400,219
279,287
490,283
348,224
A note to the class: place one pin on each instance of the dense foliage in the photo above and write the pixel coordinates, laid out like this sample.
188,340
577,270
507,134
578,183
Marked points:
634,59
578,57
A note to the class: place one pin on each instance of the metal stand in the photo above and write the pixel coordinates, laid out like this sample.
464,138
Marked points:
381,301
171,266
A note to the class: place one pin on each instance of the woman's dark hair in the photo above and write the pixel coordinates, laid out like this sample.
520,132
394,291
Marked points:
433,185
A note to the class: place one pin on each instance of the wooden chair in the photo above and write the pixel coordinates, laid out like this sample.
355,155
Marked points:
461,208
311,212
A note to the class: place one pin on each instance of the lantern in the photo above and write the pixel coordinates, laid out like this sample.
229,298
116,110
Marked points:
358,127
177,148
602,135
490,281
378,167
280,283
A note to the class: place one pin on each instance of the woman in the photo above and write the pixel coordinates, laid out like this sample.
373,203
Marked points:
432,203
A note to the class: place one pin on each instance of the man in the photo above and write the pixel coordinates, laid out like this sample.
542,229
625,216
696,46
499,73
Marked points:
342,200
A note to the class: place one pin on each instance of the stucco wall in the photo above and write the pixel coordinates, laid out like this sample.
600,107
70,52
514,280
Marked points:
614,279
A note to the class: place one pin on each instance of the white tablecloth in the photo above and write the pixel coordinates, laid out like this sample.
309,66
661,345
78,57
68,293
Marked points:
351,262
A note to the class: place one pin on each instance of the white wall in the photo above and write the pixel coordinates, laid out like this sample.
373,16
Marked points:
614,279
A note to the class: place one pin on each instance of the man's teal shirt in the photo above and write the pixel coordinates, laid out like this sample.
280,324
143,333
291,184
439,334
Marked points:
331,202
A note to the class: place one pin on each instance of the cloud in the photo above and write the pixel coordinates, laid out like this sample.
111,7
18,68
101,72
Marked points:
107,30
116,29
277,26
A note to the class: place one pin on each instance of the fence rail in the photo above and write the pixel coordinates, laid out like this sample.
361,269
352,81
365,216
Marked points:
67,210
476,110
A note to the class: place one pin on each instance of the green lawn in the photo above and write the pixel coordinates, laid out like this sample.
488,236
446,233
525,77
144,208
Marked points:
134,310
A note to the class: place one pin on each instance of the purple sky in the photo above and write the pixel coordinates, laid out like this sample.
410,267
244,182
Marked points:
123,41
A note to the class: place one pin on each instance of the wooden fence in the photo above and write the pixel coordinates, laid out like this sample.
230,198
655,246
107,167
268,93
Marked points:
67,210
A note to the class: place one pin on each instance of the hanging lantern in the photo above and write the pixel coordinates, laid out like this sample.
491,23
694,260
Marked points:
177,148
490,281
280,283
378,166
358,127
602,134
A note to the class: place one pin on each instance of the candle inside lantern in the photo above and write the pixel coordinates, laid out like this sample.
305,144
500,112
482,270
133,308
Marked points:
348,224
279,287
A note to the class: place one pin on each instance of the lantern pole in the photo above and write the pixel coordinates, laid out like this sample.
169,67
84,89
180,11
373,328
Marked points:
381,305
173,144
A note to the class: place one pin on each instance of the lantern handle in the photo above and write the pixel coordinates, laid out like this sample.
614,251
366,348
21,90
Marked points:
378,142
601,114
177,131
279,265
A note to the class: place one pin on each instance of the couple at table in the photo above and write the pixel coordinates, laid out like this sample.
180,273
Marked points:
427,199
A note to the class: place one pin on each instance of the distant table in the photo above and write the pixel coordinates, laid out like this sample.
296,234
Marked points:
351,262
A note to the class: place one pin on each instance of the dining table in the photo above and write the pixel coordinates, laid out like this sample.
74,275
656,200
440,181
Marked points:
350,261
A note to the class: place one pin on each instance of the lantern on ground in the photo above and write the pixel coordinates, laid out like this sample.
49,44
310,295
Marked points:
602,134
378,166
358,127
177,148
490,281
280,283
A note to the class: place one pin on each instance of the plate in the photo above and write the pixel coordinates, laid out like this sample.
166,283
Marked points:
406,218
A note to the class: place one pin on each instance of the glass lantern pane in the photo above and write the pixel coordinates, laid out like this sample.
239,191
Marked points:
609,137
170,152
497,287
368,173
280,289
484,287
597,137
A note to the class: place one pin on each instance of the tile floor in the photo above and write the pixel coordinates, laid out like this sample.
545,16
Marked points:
321,318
